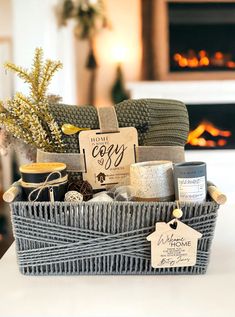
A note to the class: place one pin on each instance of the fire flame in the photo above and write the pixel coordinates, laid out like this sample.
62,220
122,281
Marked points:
202,58
195,137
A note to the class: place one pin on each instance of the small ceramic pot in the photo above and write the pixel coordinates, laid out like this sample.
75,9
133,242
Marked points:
152,181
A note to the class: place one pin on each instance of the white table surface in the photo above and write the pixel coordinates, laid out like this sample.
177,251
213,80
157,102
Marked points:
207,295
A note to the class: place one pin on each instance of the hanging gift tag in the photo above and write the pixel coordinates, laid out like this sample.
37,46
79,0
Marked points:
108,156
173,244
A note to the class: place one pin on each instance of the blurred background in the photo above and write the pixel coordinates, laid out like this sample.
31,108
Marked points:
28,24
115,49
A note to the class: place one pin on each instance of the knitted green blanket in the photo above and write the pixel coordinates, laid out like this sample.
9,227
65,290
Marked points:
158,121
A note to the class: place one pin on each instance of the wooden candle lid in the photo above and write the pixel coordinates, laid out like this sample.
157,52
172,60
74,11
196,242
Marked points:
42,168
38,172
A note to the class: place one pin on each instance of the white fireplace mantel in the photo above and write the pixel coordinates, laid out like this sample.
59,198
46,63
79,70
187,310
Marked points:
190,92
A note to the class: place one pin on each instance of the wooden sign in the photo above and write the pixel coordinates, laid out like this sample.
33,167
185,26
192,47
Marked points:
108,156
173,244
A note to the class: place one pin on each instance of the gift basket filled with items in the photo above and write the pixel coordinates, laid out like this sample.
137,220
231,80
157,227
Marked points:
110,191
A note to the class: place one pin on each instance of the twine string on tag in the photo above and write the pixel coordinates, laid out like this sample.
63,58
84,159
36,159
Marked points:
177,204
46,184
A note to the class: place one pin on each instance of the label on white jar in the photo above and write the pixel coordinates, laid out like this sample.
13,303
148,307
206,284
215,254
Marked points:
192,189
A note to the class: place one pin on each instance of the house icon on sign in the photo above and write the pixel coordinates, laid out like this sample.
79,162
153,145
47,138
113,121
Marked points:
101,177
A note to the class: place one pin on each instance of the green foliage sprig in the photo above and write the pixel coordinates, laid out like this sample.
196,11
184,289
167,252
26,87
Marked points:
29,118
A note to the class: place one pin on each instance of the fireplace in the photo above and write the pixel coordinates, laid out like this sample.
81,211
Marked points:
211,126
210,104
201,37
190,39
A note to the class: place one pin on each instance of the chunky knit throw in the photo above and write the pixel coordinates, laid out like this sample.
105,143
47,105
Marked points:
158,121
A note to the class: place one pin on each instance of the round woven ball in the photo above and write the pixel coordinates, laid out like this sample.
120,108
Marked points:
73,196
82,187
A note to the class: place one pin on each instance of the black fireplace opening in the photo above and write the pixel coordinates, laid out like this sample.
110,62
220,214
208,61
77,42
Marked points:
201,36
211,126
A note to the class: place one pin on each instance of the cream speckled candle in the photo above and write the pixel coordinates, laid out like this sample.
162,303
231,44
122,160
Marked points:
152,181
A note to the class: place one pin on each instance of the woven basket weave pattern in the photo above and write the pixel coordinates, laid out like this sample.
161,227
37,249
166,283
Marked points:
103,238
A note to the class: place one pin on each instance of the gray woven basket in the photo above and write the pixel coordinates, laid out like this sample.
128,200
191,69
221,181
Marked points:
101,238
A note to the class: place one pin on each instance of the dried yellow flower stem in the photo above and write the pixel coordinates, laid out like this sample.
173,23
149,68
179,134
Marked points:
28,118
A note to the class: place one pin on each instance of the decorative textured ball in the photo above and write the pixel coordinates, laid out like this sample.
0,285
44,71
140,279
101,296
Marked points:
177,213
82,187
73,196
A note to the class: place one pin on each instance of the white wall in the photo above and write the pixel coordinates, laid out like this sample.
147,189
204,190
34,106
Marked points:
6,87
35,25
125,36
5,18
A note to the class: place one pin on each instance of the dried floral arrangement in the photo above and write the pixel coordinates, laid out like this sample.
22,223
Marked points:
90,16
28,117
